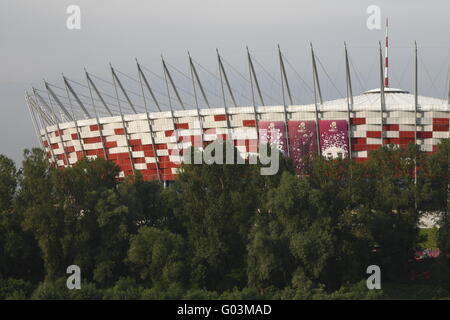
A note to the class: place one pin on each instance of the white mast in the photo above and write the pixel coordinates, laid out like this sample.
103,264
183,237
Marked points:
386,58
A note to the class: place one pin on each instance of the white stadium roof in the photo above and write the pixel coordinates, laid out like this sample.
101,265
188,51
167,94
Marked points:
395,99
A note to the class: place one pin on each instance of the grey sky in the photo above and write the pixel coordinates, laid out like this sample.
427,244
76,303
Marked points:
35,44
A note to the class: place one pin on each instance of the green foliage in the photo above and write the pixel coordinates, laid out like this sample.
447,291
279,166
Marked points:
124,289
57,290
41,216
444,233
200,294
415,292
216,204
224,231
15,289
356,291
240,294
51,290
19,253
8,182
430,238
158,256
268,261
173,291
88,291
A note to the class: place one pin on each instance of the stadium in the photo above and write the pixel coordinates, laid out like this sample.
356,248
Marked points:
138,138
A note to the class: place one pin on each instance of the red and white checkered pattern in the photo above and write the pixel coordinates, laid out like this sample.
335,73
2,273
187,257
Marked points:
131,148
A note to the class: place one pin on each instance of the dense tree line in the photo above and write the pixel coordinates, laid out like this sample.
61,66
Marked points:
220,231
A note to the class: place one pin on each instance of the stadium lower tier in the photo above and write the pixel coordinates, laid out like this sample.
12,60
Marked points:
152,143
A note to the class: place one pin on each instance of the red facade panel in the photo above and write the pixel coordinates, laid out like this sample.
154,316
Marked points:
424,134
373,134
220,117
249,123
391,127
181,125
406,134
440,121
357,121
359,140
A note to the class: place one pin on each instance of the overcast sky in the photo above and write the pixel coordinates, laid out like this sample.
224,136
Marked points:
35,44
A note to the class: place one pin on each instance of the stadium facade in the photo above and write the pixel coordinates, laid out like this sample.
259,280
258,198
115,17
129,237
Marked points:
151,142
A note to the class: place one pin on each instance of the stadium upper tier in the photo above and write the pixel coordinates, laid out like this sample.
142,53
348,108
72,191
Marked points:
151,142
72,124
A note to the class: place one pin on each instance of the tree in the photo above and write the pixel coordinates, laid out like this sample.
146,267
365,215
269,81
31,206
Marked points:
159,257
221,230
269,261
392,207
321,233
439,176
19,255
8,182
216,204
144,202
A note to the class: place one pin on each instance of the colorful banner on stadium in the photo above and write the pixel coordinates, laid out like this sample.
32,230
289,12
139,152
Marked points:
303,142
333,138
273,132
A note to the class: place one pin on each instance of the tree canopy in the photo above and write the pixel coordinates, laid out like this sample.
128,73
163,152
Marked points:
221,230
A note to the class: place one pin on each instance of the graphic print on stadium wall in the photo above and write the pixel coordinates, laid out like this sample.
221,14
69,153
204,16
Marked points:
333,138
303,142
274,133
